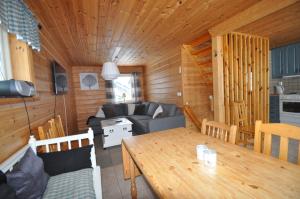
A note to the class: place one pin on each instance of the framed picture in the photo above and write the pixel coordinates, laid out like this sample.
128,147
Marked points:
89,81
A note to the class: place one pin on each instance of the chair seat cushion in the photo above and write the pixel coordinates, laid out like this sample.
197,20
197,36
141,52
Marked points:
76,184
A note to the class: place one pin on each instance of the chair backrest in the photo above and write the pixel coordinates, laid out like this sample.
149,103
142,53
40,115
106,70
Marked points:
263,138
57,127
45,131
240,113
219,130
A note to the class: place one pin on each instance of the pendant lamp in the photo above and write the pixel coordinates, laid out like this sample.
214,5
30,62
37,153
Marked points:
110,71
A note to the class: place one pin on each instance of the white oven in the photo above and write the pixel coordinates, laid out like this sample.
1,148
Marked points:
290,109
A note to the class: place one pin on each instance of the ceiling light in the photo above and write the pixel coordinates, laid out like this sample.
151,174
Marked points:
110,71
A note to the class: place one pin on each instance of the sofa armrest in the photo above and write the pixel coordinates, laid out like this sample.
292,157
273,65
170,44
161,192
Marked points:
160,124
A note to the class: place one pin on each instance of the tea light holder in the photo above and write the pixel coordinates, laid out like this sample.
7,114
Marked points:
200,151
210,158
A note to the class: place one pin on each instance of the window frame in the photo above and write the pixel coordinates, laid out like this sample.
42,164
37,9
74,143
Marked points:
5,64
133,90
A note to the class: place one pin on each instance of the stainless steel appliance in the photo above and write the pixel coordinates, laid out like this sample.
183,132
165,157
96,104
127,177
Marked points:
290,109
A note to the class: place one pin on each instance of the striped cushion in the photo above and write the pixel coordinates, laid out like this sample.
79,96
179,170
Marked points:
76,184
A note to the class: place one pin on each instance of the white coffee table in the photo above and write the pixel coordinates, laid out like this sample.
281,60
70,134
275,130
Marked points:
114,130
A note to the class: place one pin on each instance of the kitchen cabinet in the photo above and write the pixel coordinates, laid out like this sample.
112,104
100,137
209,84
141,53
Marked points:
286,60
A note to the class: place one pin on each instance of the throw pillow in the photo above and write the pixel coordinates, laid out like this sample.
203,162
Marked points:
131,108
151,109
28,178
7,192
100,112
157,111
108,112
67,161
139,109
162,115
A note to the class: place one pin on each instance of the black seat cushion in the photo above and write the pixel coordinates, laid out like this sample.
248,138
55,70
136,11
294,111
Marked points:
67,161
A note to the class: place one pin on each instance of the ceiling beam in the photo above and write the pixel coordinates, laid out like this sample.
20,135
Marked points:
251,14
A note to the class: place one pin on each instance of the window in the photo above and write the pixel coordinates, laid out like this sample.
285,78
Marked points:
5,65
123,89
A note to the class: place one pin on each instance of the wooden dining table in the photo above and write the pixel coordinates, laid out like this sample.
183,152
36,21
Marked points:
168,161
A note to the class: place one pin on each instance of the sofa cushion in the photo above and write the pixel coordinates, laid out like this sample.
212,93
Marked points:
139,117
131,108
28,178
170,109
158,111
76,184
139,109
100,112
151,109
115,110
67,161
109,112
140,126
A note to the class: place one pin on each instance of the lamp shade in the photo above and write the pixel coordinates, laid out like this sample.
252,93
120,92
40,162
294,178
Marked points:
110,71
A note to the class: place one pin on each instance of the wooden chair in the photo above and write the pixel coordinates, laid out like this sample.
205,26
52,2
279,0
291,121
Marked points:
245,131
45,132
57,127
263,138
219,130
51,129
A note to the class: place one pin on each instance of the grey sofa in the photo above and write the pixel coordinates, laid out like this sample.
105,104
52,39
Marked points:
142,119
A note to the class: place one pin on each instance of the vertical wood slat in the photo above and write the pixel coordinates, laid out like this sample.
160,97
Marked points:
246,56
283,150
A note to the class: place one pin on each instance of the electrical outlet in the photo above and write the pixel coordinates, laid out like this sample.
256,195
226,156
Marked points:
179,94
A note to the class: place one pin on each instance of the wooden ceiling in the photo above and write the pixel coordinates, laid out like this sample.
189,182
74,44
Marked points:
92,31
137,31
282,27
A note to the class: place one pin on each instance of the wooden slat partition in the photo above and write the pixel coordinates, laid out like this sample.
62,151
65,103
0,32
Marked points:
246,75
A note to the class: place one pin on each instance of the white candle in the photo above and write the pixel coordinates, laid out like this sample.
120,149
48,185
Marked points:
200,151
210,158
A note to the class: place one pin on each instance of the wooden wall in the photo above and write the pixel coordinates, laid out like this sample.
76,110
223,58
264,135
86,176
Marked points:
244,55
14,131
197,83
88,101
163,78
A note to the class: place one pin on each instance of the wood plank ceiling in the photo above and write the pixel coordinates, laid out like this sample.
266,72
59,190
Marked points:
92,31
137,31
282,27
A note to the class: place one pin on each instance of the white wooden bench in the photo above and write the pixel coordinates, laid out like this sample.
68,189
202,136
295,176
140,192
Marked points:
8,164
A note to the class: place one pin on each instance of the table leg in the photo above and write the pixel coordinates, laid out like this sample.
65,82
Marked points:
126,158
132,179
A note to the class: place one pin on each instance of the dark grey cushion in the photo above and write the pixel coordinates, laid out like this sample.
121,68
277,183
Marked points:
28,178
151,109
170,109
139,117
139,109
140,126
115,110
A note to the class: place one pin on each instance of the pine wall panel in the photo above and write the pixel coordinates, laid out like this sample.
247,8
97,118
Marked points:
163,78
14,132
